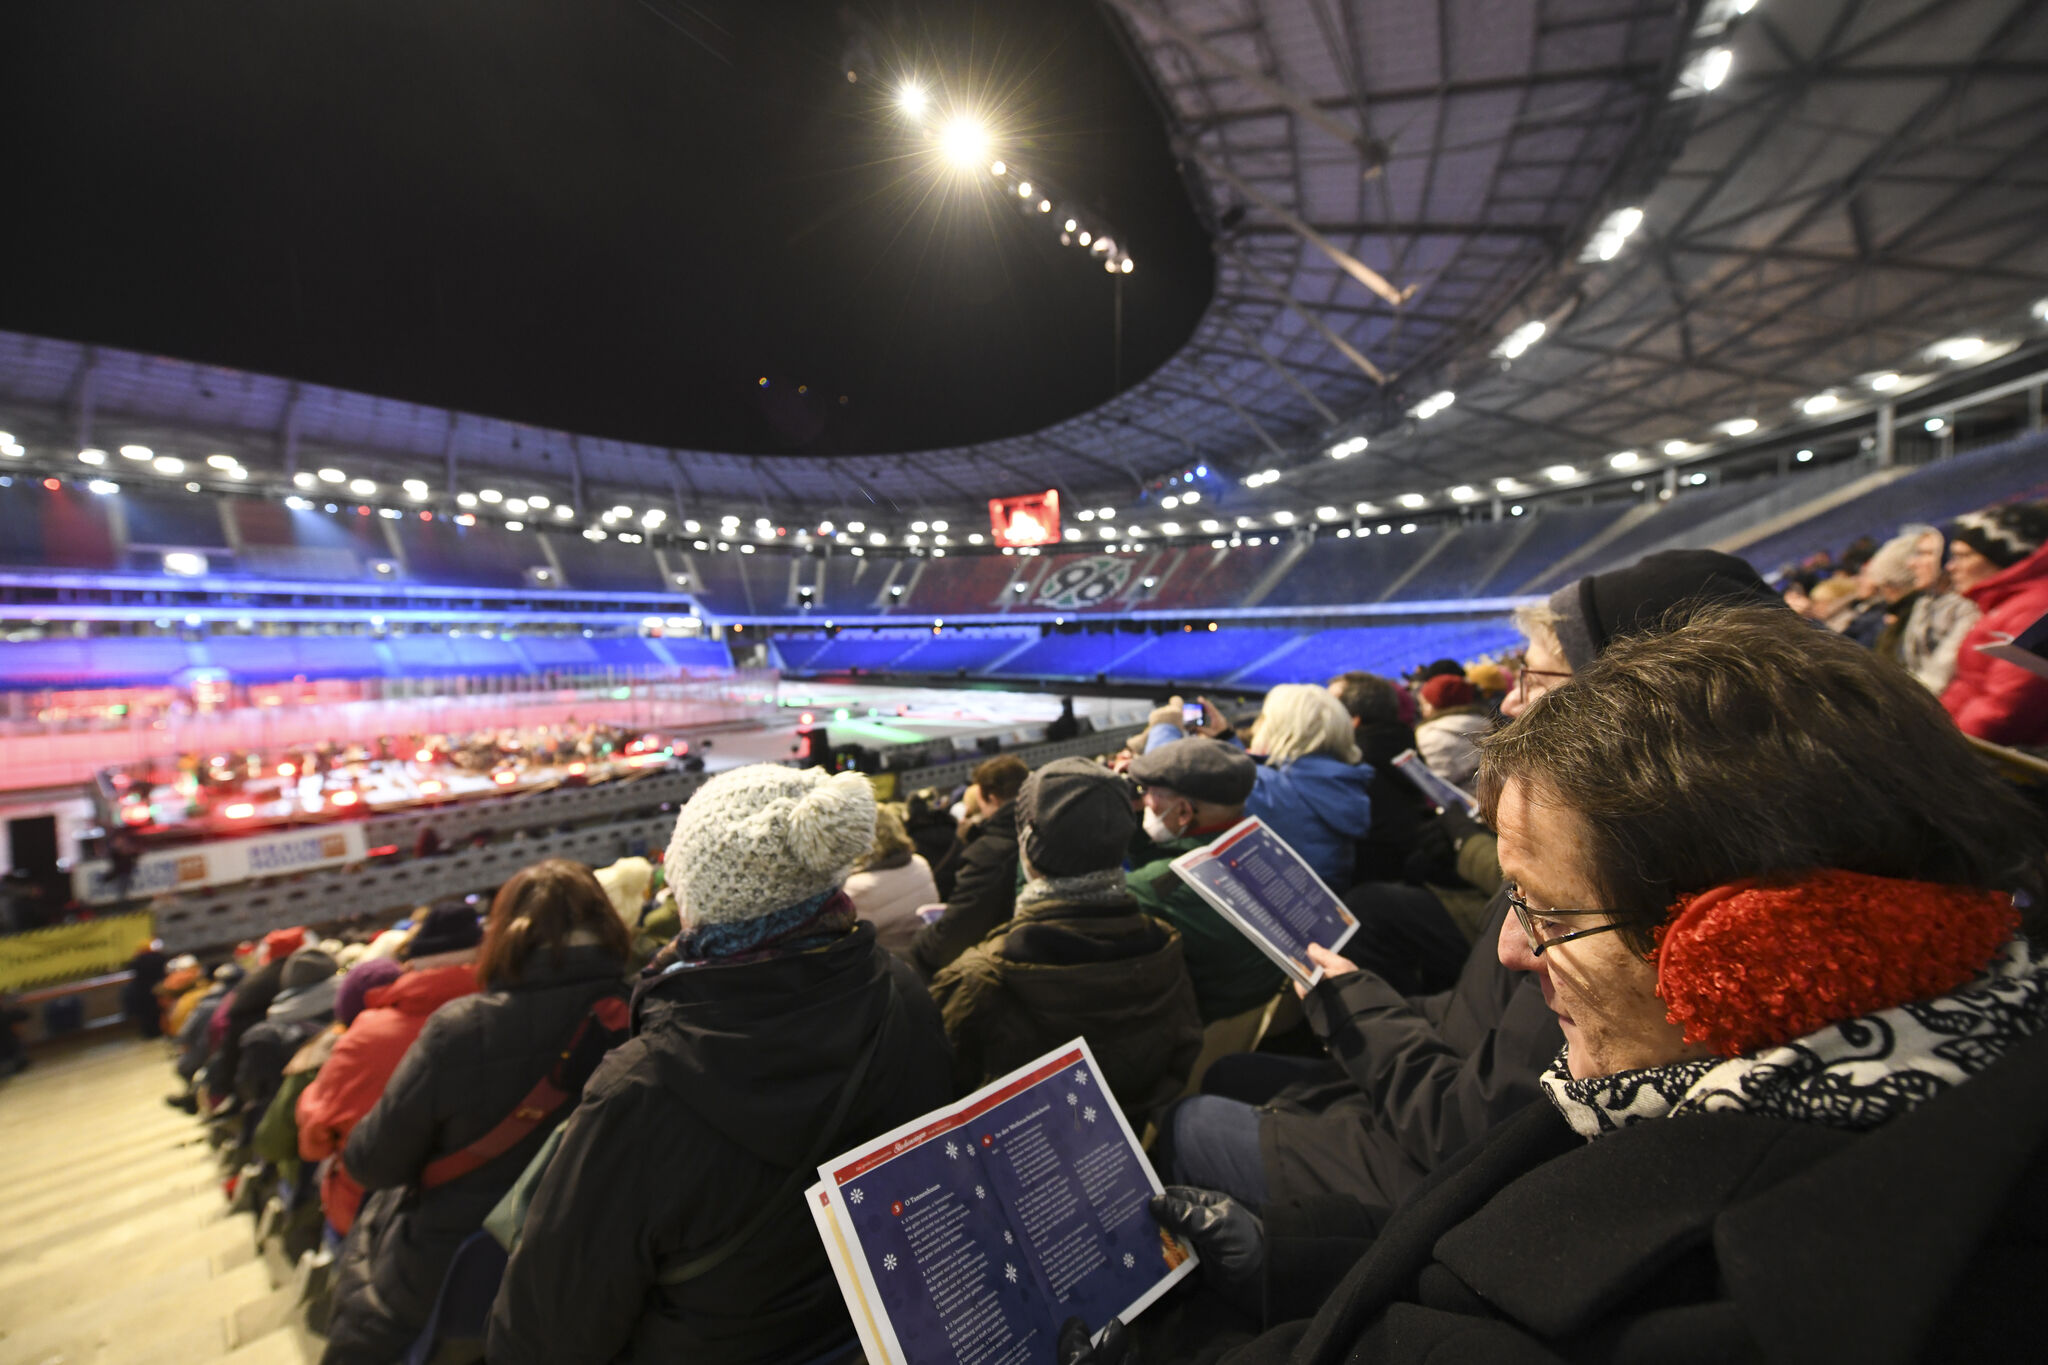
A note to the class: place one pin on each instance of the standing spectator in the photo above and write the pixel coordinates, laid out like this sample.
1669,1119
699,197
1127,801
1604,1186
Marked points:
890,882
1452,719
551,964
1080,957
1997,559
1195,789
1939,619
773,1033
394,1000
1311,788
978,877
1397,806
139,1004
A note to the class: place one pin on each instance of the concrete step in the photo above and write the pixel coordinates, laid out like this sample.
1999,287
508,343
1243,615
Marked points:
68,1191
94,1237
131,1199
178,1297
55,1288
41,1164
286,1346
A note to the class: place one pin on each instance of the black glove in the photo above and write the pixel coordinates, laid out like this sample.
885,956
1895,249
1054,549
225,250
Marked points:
1459,824
1075,1347
1228,1236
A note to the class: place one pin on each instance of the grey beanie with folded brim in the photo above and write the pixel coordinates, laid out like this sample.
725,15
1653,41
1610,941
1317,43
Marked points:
1574,638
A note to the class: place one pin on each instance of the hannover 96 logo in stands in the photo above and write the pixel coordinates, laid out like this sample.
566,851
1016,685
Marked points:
1085,583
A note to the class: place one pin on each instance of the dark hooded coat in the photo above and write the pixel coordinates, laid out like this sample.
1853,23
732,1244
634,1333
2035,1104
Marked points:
690,1127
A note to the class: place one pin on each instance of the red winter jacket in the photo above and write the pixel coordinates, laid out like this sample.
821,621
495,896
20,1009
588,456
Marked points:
349,1085
1989,697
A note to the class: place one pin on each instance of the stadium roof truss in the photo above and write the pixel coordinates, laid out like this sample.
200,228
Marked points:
1392,188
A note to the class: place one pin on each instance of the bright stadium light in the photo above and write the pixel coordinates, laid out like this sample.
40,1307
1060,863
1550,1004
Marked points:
302,479
137,453
1958,348
964,141
221,462
1561,473
1521,339
1283,518
1464,492
1820,404
537,500
362,488
1432,405
103,487
333,476
1412,500
564,512
92,456
912,99
1327,514
1623,459
167,465
1741,426
1886,382
516,506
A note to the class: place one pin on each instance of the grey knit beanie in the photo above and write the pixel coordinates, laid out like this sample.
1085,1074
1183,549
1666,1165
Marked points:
763,838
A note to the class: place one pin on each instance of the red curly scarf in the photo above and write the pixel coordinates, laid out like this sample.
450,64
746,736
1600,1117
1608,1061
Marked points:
1755,964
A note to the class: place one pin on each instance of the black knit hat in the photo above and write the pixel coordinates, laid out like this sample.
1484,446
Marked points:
1075,817
2004,535
1601,608
450,927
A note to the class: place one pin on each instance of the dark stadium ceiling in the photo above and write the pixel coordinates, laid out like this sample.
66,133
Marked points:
1828,191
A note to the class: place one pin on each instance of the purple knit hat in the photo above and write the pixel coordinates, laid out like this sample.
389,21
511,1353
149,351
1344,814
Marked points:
363,978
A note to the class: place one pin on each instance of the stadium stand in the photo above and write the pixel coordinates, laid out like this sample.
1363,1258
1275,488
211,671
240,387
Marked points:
59,528
693,655
849,584
958,653
1200,655
1211,577
277,541
978,583
605,566
1387,650
1068,657
1359,569
479,556
1554,532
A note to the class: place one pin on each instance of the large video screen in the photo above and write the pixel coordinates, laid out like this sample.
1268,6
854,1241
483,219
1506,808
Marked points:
1032,519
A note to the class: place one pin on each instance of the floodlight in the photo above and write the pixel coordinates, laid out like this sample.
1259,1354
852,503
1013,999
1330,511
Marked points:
963,141
911,99
137,453
167,464
221,461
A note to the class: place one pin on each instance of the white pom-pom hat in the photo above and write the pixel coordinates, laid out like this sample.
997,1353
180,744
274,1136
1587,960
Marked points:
763,838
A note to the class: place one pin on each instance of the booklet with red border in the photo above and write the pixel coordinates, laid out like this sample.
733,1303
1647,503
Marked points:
1271,895
967,1237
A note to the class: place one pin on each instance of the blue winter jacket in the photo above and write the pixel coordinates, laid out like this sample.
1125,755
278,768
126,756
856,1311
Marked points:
1318,804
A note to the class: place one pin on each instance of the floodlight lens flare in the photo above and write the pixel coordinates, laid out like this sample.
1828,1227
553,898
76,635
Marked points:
963,142
911,98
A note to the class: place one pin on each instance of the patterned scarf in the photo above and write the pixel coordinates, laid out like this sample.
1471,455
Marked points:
1090,888
798,928
1856,1075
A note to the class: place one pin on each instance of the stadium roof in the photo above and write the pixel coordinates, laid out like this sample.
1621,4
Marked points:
1827,189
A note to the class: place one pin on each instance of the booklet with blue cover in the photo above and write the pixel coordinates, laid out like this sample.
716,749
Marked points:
968,1236
1441,793
1259,883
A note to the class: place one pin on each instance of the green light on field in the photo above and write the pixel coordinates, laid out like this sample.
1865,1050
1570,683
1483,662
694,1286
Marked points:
842,714
622,693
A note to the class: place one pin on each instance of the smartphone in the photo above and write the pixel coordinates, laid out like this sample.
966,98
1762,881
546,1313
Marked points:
1192,716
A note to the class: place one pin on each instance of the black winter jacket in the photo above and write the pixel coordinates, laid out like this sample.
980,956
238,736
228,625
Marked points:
1712,1238
691,1127
246,1008
477,1057
1423,1079
984,893
1397,805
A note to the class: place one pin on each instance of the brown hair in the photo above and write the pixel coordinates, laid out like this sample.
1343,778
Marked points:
1369,698
1002,777
540,908
1749,742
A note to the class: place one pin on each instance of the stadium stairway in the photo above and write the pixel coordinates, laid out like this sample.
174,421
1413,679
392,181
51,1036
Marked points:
116,1245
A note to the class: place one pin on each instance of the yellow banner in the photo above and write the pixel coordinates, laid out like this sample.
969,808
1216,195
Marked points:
64,952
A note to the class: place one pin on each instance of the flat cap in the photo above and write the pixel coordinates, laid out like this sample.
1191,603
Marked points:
1199,768
1075,817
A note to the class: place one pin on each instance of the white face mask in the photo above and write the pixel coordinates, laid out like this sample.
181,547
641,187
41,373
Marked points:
1156,828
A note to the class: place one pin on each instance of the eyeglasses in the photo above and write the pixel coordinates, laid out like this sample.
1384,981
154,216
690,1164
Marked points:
1522,676
1541,942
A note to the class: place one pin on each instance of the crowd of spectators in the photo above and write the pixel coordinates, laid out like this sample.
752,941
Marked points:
1930,597
1709,1028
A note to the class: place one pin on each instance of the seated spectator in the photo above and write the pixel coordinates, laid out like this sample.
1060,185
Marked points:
185,983
192,1036
277,1136
1374,705
1889,576
1489,681
1311,788
1939,619
1836,603
244,1010
890,882
1998,558
1803,1042
1195,789
304,1006
1411,1082
392,1001
1452,719
978,877
453,1128
772,1034
1080,957
931,829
